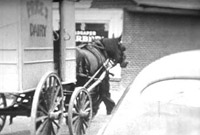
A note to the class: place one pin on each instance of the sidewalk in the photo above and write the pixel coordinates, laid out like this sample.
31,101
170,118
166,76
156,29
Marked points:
170,107
101,119
21,125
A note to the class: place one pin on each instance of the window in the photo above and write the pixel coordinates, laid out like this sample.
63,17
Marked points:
88,32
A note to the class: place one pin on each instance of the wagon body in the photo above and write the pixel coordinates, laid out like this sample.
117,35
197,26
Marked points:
26,45
37,76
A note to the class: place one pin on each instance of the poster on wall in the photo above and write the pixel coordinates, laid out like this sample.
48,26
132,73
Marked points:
88,32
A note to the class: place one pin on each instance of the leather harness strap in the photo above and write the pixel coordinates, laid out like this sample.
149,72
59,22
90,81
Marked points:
101,46
97,49
82,64
96,53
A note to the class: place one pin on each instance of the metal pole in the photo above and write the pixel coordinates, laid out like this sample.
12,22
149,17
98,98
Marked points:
67,30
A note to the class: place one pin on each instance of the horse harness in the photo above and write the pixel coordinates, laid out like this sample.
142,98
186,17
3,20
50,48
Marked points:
97,49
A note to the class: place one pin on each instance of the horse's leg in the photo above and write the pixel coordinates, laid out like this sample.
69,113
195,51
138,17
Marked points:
105,94
96,100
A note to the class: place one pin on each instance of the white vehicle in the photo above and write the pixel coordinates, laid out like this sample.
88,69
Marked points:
162,100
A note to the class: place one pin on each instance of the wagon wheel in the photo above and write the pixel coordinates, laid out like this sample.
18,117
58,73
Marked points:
47,106
79,112
2,105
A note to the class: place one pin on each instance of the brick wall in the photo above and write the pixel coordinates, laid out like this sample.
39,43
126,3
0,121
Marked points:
149,36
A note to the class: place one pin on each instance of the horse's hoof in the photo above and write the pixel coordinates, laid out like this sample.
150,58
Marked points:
94,113
109,111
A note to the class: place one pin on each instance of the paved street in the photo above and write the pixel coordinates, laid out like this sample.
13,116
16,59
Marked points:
21,125
158,110
162,108
168,108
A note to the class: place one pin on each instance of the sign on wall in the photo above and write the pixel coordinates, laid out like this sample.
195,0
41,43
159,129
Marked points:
88,32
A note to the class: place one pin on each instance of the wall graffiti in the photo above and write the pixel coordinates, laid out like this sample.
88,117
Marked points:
38,30
37,8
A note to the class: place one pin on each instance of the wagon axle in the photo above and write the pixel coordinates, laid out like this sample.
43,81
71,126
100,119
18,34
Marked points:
55,115
83,113
20,106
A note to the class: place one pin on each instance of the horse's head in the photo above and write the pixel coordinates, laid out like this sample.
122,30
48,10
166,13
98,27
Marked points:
115,50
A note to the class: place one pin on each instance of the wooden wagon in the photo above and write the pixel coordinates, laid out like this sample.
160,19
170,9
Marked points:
37,78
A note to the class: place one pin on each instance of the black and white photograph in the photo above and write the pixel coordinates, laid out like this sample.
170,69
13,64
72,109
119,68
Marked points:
99,67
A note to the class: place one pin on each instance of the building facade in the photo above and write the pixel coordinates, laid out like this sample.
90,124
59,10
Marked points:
150,36
153,29
150,29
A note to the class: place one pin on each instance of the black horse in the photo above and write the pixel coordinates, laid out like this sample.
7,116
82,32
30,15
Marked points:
90,57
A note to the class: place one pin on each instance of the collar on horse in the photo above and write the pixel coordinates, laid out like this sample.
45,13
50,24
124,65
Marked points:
97,49
98,44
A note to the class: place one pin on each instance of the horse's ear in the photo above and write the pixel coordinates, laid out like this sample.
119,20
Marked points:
120,38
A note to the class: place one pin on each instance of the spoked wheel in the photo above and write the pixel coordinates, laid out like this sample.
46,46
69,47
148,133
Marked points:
79,112
47,106
2,105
